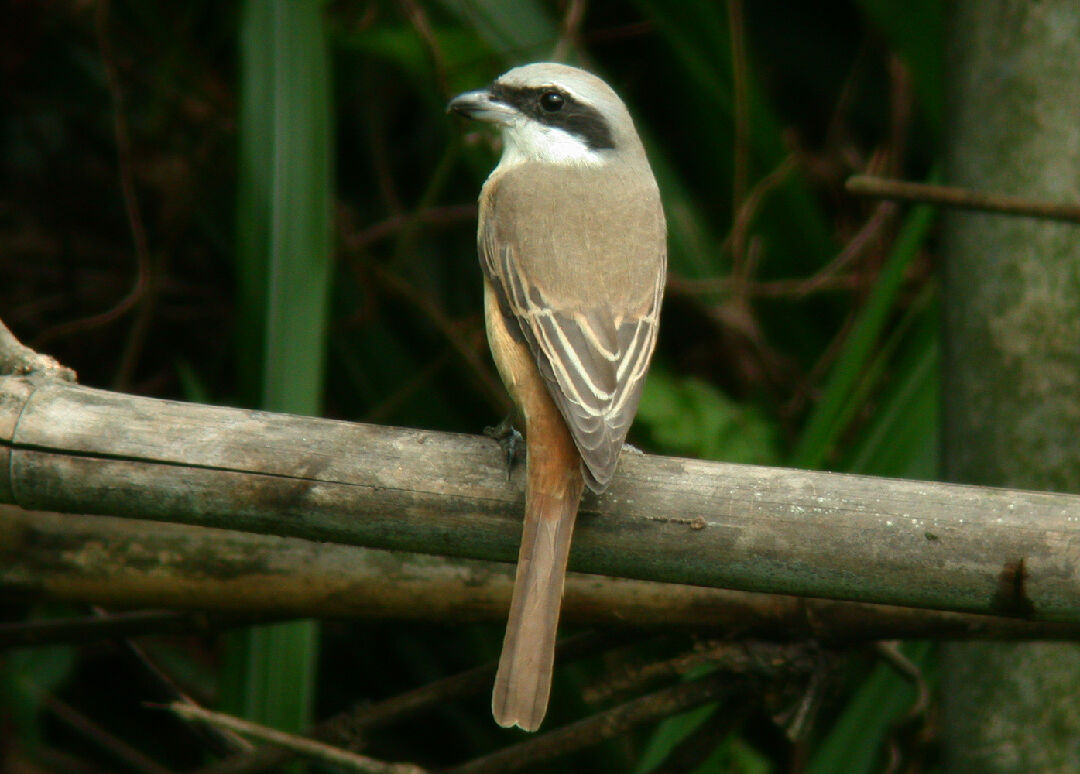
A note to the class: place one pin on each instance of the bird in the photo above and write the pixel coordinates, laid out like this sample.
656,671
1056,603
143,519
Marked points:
572,242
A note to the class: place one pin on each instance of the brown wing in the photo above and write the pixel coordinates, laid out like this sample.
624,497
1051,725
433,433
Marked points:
592,355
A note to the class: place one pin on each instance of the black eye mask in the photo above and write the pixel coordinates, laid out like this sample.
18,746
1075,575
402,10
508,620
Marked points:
553,107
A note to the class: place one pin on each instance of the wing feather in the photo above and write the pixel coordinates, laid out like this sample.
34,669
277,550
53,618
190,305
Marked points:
593,364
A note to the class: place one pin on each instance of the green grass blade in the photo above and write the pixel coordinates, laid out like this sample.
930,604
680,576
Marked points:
903,438
669,733
826,423
300,201
284,245
855,742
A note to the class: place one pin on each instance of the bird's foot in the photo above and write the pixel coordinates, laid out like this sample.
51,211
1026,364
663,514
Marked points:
509,439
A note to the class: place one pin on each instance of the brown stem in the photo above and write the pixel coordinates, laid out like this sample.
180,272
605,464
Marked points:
599,727
960,198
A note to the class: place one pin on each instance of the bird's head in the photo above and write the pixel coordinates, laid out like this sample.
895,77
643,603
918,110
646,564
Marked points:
554,113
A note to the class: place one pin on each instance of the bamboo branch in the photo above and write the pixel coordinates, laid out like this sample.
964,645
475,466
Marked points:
231,577
919,544
17,359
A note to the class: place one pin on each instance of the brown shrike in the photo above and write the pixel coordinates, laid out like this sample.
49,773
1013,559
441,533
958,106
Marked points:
572,243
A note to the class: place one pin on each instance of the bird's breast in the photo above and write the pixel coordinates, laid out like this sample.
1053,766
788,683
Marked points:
592,235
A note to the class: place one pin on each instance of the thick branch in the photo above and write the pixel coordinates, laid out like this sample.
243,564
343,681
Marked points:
919,544
126,563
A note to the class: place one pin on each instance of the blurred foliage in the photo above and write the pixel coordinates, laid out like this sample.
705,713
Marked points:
284,268
799,325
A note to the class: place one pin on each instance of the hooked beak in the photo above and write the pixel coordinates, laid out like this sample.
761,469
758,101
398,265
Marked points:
481,106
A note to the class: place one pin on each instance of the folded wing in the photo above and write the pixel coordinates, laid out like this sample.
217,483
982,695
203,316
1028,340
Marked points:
593,358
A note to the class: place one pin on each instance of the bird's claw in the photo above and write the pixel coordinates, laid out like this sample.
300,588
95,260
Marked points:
509,439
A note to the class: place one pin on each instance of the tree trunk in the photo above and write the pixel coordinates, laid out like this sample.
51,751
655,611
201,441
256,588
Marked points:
1012,349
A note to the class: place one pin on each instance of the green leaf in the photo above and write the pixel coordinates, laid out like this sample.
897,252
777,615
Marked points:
855,742
284,263
690,417
903,437
828,420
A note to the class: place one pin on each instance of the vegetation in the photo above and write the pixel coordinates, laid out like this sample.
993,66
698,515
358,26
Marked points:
171,168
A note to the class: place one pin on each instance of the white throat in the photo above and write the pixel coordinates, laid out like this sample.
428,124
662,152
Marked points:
525,140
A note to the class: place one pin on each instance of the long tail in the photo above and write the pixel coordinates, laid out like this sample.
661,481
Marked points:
523,681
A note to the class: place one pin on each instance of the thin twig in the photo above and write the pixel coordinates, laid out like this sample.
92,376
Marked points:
451,331
890,651
894,657
742,268
759,659
420,22
570,32
218,741
599,727
960,198
88,729
741,107
346,727
828,278
136,297
137,623
438,216
621,33
298,744
901,101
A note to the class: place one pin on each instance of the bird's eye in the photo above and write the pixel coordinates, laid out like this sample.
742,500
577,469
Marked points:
551,101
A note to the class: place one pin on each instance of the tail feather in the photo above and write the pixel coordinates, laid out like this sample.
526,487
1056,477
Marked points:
523,680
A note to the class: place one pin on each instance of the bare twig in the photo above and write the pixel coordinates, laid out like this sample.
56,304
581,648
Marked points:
767,660
960,198
458,338
298,744
217,740
798,721
741,105
344,728
135,297
420,22
829,277
570,32
620,33
83,629
143,291
88,729
432,216
742,268
599,727
890,651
